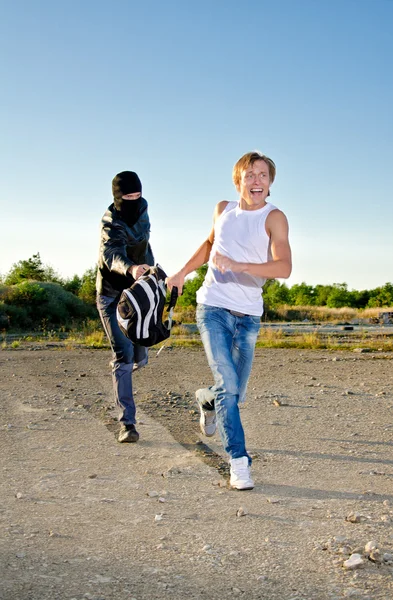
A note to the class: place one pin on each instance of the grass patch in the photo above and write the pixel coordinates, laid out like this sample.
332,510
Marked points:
96,339
179,330
276,338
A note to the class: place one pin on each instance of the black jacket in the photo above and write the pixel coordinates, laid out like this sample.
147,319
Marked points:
120,248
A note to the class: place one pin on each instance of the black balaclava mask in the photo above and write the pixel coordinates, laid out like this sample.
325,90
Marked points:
124,183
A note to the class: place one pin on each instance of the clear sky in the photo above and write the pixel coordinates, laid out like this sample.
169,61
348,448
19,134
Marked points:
178,90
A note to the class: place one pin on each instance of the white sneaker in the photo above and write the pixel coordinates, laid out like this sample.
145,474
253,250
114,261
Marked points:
240,474
208,420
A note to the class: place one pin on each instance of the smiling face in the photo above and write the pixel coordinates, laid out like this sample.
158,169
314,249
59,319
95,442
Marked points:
254,186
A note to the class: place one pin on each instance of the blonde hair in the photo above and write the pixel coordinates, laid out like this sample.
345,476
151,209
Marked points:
248,160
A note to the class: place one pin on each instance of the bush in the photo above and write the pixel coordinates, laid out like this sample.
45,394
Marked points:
42,304
14,317
87,290
27,293
184,314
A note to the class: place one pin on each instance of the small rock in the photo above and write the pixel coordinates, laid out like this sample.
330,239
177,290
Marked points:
375,555
158,517
241,512
354,562
370,546
353,517
18,495
222,483
173,471
152,494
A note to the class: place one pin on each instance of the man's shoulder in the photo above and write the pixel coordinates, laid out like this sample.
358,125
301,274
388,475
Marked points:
275,213
276,219
222,206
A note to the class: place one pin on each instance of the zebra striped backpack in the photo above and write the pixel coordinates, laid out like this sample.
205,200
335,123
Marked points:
140,309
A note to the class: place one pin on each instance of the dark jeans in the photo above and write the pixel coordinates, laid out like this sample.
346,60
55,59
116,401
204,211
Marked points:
126,357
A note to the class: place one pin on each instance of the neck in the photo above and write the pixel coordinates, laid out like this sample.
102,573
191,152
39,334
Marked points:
246,206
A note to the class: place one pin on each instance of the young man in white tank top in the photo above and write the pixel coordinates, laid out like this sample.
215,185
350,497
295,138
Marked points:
247,245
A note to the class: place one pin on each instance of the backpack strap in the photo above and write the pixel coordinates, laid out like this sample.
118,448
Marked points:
172,304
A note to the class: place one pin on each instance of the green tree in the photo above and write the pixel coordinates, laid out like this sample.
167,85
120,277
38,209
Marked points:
301,294
321,294
73,285
339,296
275,294
87,290
381,296
191,286
359,299
33,269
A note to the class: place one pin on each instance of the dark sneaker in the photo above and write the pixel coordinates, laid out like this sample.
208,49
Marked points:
128,433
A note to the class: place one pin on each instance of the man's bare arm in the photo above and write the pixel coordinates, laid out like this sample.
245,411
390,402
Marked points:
281,264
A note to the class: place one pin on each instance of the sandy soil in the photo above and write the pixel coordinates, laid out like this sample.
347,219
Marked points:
84,517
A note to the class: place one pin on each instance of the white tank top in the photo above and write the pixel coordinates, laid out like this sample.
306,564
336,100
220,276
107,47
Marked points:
240,235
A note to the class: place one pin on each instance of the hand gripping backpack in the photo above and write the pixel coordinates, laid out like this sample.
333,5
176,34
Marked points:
140,309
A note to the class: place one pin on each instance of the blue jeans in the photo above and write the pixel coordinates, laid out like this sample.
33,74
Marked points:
126,357
229,343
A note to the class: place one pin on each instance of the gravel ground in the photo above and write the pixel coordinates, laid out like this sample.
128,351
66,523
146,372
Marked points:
84,517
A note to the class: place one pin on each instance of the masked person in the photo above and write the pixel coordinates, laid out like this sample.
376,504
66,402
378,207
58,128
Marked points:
247,245
124,255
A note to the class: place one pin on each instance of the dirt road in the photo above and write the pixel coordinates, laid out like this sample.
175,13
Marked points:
84,517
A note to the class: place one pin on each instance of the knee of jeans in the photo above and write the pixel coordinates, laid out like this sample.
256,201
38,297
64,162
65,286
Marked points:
140,364
226,400
123,358
227,383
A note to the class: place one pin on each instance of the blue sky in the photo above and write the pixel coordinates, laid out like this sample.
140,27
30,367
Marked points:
178,91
